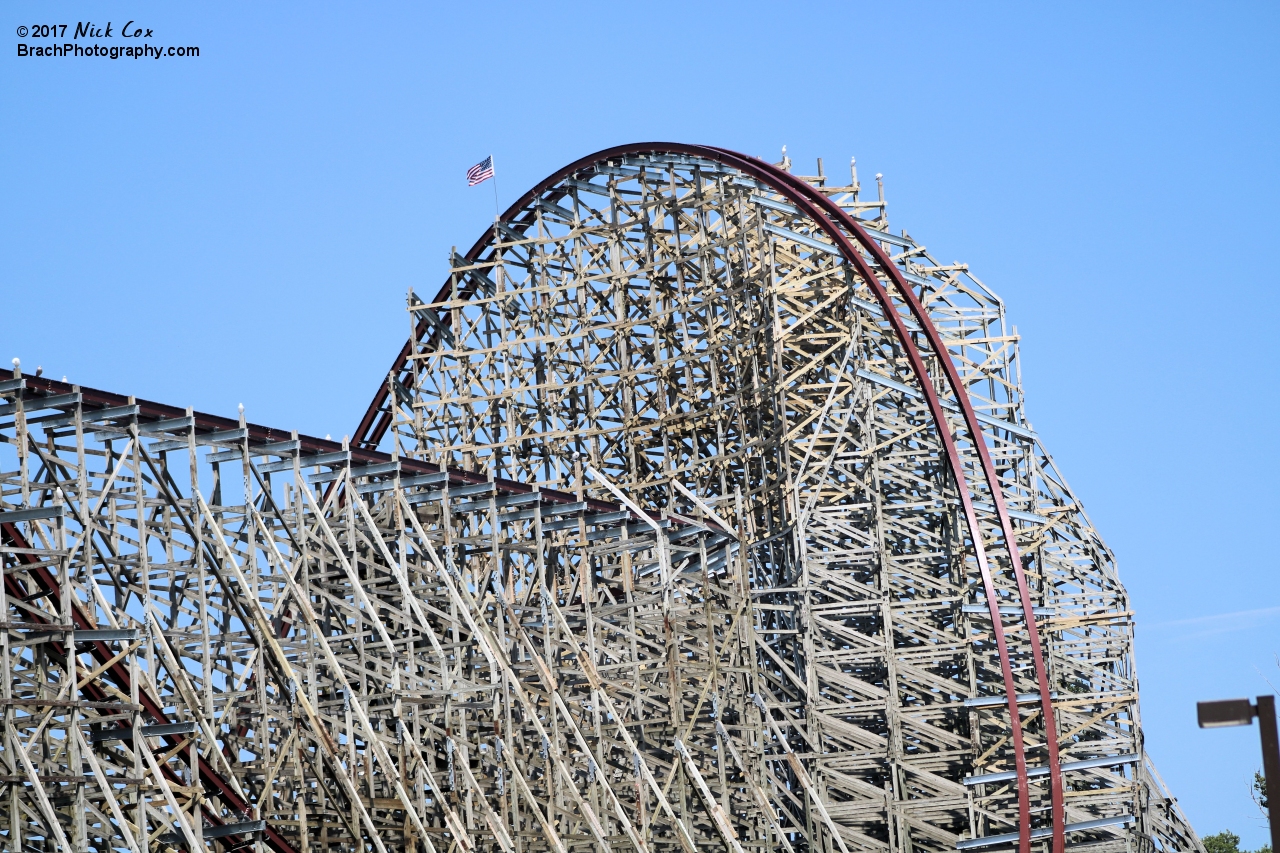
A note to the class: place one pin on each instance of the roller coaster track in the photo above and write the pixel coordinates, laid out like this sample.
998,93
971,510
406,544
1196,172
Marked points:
819,208
692,474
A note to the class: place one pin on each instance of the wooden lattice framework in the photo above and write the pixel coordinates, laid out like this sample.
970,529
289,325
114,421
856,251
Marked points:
660,535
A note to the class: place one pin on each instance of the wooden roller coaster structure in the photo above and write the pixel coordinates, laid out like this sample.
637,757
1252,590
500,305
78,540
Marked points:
699,511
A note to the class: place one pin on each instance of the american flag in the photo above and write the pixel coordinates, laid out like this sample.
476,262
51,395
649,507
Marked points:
480,172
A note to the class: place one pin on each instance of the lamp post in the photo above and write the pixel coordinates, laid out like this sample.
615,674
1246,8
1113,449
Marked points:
1240,712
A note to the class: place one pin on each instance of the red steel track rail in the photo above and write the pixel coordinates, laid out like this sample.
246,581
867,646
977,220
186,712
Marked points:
826,214
120,675
308,445
936,343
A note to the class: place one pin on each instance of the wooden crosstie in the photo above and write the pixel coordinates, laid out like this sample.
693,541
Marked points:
699,511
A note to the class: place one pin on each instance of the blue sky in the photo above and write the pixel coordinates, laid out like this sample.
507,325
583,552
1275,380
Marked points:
242,227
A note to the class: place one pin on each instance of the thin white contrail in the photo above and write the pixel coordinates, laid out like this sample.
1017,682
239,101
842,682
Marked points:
1221,623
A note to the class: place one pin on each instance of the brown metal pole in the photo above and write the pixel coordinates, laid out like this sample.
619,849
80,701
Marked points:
1266,711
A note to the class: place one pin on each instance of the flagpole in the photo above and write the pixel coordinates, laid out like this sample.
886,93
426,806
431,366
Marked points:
493,165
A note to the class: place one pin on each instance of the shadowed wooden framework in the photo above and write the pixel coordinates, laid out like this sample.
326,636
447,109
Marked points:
662,551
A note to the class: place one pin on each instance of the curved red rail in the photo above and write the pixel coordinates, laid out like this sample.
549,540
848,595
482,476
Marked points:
818,207
120,674
1002,511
